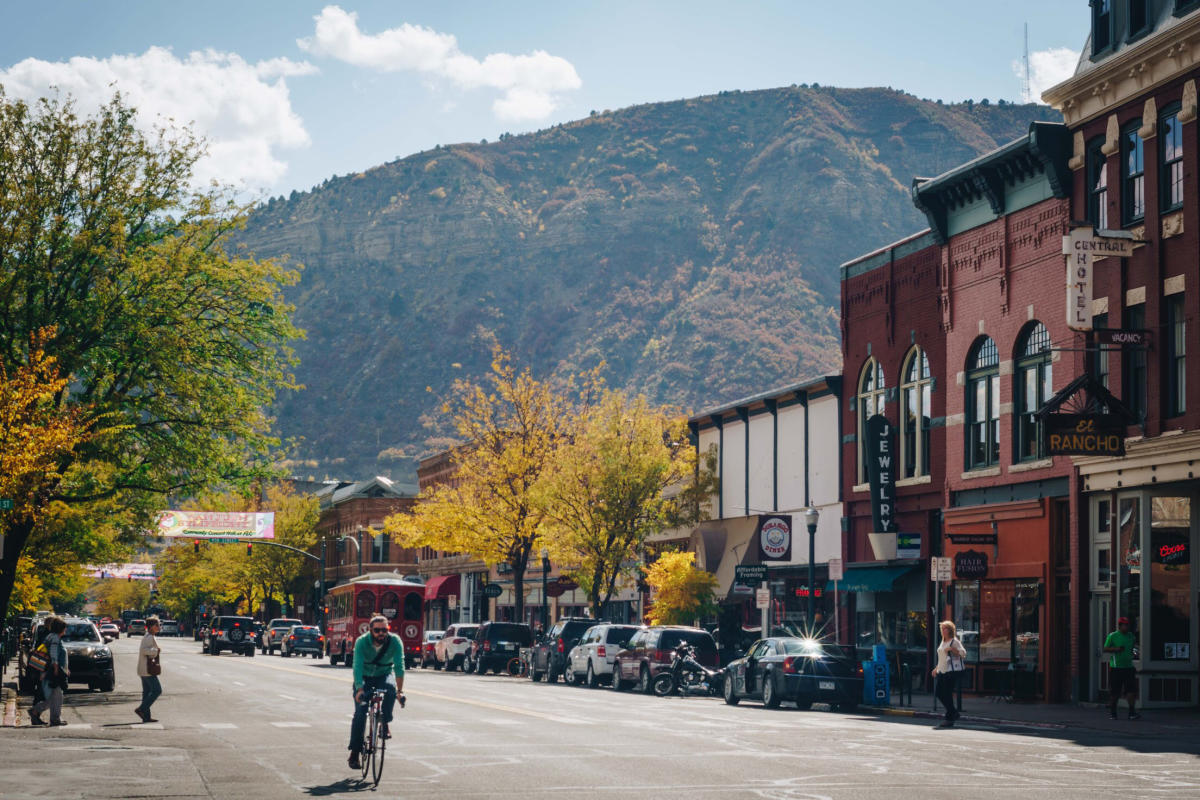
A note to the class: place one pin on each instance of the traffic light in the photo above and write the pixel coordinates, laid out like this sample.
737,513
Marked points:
196,546
249,549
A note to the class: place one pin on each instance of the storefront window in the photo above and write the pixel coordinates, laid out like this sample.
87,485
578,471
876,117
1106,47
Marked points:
995,621
1170,578
966,616
1101,544
1129,521
1027,616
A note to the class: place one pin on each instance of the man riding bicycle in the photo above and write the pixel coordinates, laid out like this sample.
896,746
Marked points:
378,655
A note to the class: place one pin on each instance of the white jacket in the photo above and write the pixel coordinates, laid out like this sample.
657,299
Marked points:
147,650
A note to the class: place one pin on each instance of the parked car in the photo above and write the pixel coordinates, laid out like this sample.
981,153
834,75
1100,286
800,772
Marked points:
549,657
649,653
168,627
136,627
89,658
428,642
495,644
275,631
450,651
110,631
591,661
303,639
802,671
229,633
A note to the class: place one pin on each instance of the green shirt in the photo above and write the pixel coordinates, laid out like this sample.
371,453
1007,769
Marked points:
1123,658
367,665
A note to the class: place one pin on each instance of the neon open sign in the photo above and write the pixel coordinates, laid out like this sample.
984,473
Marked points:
1172,552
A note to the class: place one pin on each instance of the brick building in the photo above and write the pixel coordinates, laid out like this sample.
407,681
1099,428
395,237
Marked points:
952,336
1131,107
351,525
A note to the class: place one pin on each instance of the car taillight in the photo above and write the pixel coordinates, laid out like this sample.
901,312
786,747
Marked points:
560,645
320,638
789,665
457,641
292,638
237,624
661,655
600,651
487,646
858,670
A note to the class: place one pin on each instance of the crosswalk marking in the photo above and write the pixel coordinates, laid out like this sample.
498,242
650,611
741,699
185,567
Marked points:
291,725
222,726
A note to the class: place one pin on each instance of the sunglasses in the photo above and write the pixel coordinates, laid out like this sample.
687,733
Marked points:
378,630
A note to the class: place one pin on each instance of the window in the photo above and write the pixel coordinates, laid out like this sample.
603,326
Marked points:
1129,567
1033,388
1100,361
1170,577
983,404
1170,165
379,548
1133,174
1185,6
871,394
1138,19
1176,356
1135,364
915,388
1101,544
1097,177
1101,25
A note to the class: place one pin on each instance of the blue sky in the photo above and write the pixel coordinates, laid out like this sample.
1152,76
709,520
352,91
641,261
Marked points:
286,101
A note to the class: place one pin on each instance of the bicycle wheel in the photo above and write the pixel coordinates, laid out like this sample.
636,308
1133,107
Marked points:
368,746
514,666
379,750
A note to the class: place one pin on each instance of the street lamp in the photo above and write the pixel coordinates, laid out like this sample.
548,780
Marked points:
545,604
810,519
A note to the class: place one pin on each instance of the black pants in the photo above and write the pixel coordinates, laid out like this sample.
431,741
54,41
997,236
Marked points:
358,726
944,689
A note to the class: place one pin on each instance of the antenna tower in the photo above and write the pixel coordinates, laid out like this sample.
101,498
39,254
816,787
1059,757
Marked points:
1026,93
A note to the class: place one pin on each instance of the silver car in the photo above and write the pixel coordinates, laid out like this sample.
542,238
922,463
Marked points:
593,658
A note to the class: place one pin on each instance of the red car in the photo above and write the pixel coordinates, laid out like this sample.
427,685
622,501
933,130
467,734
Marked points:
649,653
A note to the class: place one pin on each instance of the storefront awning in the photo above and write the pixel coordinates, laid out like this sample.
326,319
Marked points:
441,586
870,579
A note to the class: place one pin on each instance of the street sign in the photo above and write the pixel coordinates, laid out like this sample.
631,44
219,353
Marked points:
941,569
762,598
835,569
452,601
749,574
493,590
6,504
1122,338
908,545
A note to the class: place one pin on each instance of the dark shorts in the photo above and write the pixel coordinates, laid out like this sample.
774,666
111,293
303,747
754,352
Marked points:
1122,680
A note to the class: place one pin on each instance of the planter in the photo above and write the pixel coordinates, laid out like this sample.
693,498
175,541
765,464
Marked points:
883,545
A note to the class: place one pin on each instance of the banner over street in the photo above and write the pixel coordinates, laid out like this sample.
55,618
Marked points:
217,524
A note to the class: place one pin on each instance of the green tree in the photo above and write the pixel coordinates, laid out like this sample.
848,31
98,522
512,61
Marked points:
682,593
177,344
628,471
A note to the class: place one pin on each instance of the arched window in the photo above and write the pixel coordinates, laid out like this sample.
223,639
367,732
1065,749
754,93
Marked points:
871,392
915,389
983,404
1033,387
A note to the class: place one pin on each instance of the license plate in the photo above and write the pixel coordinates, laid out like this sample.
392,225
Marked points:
830,685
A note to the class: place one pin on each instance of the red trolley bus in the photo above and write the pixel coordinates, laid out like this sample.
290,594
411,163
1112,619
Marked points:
351,606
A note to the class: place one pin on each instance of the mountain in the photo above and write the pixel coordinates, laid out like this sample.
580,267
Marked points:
691,245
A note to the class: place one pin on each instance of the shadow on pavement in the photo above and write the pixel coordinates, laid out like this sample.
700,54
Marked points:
340,787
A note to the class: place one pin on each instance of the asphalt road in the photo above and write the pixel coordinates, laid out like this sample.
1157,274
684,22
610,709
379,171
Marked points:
269,727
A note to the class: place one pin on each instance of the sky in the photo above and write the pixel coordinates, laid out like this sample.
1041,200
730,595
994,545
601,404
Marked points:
288,93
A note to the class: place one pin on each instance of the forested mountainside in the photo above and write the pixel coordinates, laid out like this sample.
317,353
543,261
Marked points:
692,245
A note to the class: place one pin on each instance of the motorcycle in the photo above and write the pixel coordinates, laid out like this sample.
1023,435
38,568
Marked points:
687,675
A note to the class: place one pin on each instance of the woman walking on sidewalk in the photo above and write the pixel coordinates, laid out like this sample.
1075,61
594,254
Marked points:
54,678
950,662
148,670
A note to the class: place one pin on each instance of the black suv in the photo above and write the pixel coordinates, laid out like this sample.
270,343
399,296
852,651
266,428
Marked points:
550,651
495,644
230,633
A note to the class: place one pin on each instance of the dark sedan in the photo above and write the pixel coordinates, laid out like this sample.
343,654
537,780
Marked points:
804,671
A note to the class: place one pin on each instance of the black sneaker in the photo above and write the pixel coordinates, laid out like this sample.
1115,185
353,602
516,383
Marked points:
1112,715
353,761
1134,715
387,732
35,719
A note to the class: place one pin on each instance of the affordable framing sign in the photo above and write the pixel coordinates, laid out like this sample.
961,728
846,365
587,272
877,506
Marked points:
217,524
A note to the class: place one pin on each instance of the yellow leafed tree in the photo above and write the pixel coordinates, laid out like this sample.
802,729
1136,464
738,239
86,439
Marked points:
682,593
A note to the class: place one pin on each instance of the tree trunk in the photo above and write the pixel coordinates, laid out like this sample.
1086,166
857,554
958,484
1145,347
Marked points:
518,570
14,542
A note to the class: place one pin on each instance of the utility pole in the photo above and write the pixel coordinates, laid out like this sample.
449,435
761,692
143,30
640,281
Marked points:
1026,92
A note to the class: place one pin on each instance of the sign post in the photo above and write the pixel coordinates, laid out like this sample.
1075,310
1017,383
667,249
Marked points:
835,574
6,504
762,599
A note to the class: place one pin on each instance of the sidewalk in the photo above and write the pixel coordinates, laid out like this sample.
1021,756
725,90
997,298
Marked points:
1049,716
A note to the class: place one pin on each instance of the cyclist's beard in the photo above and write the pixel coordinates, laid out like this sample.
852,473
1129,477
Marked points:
379,638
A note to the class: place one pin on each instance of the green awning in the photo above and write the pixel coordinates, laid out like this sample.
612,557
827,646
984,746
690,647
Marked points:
870,579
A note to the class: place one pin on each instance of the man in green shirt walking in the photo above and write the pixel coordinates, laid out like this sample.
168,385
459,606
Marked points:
1121,677
378,655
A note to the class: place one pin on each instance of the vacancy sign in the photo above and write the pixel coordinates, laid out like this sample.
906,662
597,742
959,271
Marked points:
1081,247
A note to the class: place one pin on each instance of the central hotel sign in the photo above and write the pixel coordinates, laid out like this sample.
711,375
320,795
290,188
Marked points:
1081,247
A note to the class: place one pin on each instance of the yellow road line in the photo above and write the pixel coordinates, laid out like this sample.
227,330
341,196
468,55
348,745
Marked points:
432,695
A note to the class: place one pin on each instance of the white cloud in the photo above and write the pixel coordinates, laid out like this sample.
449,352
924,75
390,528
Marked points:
530,83
242,110
1047,68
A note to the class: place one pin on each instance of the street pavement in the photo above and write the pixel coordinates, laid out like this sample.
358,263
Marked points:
269,727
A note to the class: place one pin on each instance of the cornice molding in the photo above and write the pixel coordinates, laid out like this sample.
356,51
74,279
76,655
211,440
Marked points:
1130,73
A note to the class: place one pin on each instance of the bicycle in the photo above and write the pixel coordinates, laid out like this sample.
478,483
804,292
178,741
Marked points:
374,745
518,667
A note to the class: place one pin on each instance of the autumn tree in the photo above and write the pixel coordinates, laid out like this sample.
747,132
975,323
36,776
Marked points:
682,593
507,430
178,345
627,471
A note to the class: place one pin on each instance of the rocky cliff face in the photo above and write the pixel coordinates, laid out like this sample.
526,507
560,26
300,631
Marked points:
693,246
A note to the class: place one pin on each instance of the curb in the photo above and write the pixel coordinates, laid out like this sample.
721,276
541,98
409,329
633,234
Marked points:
913,713
10,709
